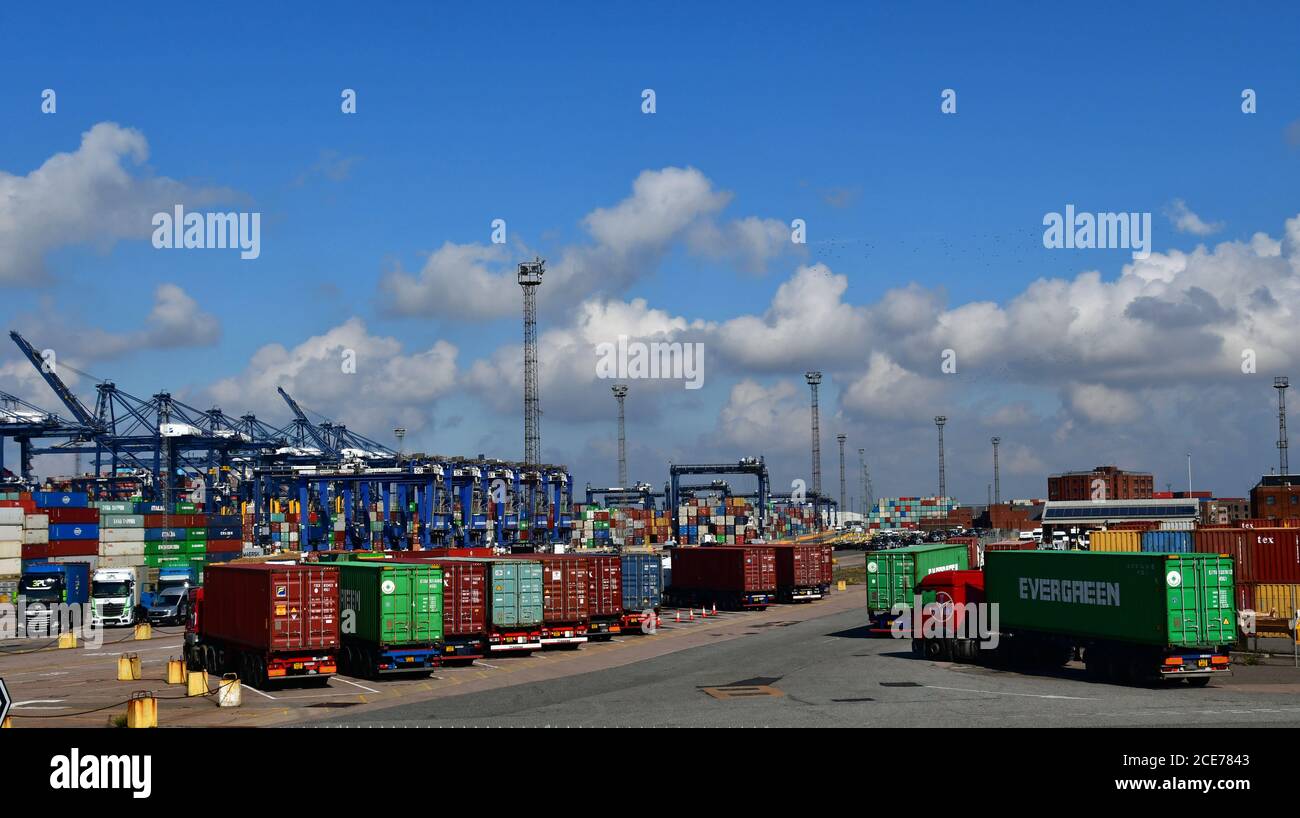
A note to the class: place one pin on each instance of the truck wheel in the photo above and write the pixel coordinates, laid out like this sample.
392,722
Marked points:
933,649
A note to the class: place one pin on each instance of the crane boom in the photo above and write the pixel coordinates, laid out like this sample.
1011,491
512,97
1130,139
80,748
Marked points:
75,406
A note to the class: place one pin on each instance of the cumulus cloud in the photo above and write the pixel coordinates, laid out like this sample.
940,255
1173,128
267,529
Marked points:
629,240
760,417
1185,221
88,196
387,385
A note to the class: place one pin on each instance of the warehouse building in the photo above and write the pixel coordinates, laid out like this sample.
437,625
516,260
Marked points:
1096,513
1275,497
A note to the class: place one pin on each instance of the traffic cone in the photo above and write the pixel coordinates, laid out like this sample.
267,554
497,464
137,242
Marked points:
679,616
715,609
692,614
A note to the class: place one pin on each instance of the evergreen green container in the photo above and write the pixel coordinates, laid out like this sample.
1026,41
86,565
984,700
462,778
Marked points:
391,603
892,574
1180,600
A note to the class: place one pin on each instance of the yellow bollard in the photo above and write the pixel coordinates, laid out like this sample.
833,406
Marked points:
7,723
197,684
142,710
67,639
143,631
842,586
175,671
124,669
136,671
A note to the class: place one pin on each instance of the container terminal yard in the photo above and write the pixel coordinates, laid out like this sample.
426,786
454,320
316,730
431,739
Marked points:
908,369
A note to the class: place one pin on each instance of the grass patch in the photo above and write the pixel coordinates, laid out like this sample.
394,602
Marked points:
852,574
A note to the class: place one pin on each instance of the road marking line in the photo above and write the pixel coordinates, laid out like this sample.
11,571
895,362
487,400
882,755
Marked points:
39,701
997,693
258,692
485,664
354,684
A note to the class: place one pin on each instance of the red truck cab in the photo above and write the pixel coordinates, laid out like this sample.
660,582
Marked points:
951,596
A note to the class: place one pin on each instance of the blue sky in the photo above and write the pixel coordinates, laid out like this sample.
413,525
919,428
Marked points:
532,113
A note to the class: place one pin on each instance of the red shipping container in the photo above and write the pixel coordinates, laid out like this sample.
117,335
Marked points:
272,607
1011,545
803,565
73,515
73,548
464,594
36,552
1220,541
725,568
605,584
564,588
1256,522
972,548
1270,555
225,546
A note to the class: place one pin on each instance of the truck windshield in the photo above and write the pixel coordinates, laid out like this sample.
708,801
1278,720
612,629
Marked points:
169,598
111,588
41,589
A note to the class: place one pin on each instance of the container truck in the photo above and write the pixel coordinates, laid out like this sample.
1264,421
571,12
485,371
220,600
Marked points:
803,571
178,575
390,615
893,574
643,584
44,584
1134,616
733,577
267,622
514,602
115,596
566,601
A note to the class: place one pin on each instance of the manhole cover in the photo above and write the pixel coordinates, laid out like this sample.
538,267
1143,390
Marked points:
739,692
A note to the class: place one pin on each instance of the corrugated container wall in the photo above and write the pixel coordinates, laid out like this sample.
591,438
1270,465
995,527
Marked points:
565,588
1168,542
392,602
272,607
643,581
725,568
1111,542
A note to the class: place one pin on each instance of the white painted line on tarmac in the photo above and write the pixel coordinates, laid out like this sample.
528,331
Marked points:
39,701
258,692
997,693
485,664
354,684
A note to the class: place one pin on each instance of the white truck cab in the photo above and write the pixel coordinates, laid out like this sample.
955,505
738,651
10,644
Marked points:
114,595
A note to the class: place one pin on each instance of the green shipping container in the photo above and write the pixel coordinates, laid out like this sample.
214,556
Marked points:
196,547
164,548
391,603
196,534
162,561
1183,600
893,574
185,508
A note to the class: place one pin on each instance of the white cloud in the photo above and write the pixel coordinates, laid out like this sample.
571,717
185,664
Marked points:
87,196
1185,221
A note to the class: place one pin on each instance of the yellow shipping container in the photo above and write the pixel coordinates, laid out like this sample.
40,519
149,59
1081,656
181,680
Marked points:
1275,602
1114,542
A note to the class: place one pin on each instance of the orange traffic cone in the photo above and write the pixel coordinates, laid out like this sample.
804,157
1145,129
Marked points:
679,616
692,614
715,609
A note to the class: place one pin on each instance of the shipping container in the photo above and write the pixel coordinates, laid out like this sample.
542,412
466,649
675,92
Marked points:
893,574
464,601
45,584
395,612
1115,542
566,600
731,577
1134,615
804,571
643,583
1270,555
1167,542
514,602
266,622
604,595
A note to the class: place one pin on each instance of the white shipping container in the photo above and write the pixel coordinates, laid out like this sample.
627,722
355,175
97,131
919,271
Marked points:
10,550
121,562
10,566
36,536
121,549
36,521
121,535
11,533
12,516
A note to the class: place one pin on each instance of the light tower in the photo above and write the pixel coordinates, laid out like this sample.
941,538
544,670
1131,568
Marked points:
400,434
868,502
997,478
814,379
1280,384
940,420
530,278
620,392
841,438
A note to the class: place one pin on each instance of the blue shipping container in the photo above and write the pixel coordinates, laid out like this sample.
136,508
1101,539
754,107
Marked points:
74,531
224,533
150,508
61,499
643,577
231,520
160,534
74,577
1167,542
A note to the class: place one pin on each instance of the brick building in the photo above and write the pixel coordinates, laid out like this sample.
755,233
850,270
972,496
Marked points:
1116,483
1275,497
